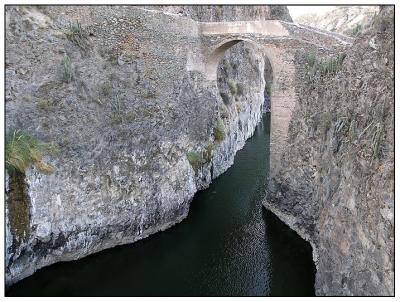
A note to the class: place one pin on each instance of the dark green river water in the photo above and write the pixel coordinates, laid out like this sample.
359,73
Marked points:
229,245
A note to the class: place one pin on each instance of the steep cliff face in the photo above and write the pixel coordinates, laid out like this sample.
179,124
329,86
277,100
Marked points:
349,20
217,13
137,133
336,183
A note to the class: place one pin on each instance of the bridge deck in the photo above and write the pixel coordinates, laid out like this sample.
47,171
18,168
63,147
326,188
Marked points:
269,27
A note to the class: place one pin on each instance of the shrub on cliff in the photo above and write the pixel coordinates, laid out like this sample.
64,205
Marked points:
66,71
23,150
79,36
219,132
195,159
208,153
323,66
233,87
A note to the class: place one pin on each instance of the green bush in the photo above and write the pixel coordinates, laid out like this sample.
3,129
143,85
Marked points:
195,159
325,66
329,66
233,87
219,132
23,150
67,74
311,59
79,36
44,104
208,153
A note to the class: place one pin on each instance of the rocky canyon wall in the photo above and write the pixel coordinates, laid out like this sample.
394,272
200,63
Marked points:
336,182
136,133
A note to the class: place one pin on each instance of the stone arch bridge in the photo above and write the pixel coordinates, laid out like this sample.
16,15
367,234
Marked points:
282,44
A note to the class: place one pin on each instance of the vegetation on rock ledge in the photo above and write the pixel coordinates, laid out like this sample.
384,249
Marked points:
219,132
23,150
197,159
79,36
324,66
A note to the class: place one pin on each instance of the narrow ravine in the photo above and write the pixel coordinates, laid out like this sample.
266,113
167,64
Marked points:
229,245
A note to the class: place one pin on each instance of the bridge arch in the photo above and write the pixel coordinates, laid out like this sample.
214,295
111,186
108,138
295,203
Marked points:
281,91
218,52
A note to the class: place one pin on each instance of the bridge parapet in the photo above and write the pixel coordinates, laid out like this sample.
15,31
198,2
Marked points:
268,28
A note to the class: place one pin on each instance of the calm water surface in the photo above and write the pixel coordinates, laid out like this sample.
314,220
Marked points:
227,246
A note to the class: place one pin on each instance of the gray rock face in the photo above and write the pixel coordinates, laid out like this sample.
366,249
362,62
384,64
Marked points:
124,124
349,20
217,13
336,183
280,12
